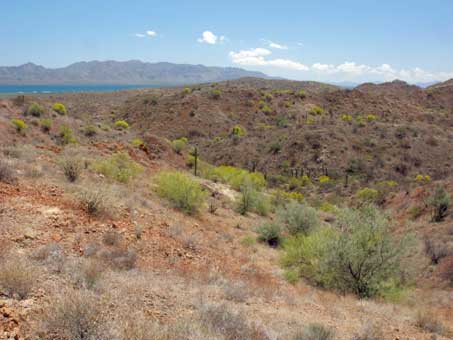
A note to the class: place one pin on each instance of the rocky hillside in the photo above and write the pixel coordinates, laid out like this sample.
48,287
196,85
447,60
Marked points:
94,245
391,131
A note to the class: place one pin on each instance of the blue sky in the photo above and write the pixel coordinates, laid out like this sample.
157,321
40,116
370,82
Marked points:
346,40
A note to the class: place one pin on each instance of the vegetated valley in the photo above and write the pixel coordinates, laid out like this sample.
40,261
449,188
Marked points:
245,209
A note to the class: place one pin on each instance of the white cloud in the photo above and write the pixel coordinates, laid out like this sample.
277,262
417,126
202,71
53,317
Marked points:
275,45
208,37
150,34
257,57
353,71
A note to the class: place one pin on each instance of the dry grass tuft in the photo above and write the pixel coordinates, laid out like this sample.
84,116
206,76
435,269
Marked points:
430,322
17,276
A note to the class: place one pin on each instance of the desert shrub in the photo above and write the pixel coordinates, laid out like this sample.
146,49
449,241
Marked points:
301,94
17,276
19,125
298,218
118,166
93,201
316,110
275,147
247,199
369,331
422,178
88,272
66,135
429,322
35,110
118,258
236,177
367,195
90,130
121,125
187,90
137,142
360,256
236,291
281,197
178,145
263,204
415,212
72,168
59,108
76,315
215,94
6,172
315,331
440,203
181,190
238,131
222,321
269,233
346,118
371,117
46,124
436,250
324,180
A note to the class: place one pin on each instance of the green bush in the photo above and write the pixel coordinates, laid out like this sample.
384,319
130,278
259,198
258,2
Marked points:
181,190
186,91
235,177
367,195
118,166
35,110
215,94
238,131
121,125
90,130
359,256
46,124
179,145
440,203
137,142
301,94
66,135
269,233
316,110
298,218
19,124
59,108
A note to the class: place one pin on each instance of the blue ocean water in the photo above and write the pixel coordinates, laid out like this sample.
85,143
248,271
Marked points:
68,88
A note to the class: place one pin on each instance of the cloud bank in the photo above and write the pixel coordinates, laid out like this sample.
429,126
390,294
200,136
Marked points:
207,37
348,70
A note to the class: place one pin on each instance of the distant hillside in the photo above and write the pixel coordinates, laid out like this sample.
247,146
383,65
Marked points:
115,72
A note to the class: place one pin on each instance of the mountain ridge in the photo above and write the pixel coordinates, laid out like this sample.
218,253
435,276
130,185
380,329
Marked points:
120,72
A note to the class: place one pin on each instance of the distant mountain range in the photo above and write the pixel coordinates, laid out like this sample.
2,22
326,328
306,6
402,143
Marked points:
115,72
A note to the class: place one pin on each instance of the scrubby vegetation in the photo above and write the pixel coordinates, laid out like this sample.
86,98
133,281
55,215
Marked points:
118,166
181,190
59,108
35,110
179,144
121,125
66,135
359,256
19,124
440,203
